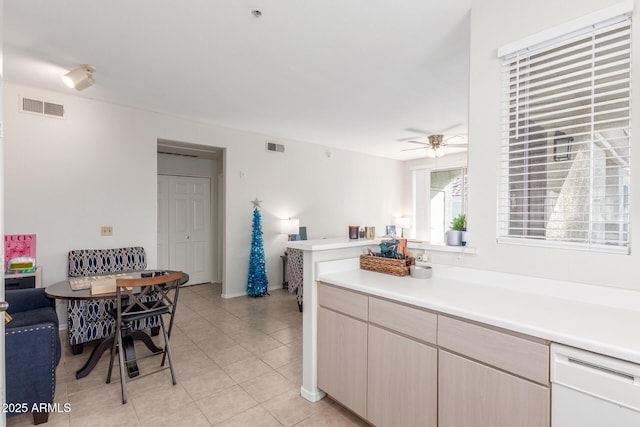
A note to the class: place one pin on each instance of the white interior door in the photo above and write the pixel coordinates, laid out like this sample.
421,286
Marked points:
189,227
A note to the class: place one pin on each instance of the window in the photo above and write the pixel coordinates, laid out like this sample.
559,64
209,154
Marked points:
439,196
448,195
564,164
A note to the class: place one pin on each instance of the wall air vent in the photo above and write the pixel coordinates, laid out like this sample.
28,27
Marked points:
272,146
41,108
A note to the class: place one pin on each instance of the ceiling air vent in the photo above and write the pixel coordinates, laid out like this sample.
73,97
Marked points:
272,146
41,108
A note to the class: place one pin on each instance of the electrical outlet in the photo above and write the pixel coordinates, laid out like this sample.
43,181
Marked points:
426,257
106,230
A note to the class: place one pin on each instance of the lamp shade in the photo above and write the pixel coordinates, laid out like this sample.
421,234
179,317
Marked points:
402,221
289,226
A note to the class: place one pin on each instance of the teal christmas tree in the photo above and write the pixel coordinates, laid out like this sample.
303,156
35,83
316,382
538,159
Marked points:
257,281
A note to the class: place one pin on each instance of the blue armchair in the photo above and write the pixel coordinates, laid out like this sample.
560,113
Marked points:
32,352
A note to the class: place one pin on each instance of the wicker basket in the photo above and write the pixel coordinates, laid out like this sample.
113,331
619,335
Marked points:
397,267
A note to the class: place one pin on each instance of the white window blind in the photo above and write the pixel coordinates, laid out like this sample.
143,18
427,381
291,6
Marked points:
564,163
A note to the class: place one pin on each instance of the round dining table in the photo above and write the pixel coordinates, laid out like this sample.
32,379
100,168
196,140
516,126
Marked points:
62,290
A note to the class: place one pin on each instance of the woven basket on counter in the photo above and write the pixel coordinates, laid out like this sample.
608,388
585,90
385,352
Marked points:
397,267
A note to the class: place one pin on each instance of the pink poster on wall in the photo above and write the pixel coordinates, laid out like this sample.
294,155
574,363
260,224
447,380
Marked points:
19,245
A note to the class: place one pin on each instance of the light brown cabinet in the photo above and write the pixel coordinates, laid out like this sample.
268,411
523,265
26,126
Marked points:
342,346
473,394
400,365
342,359
403,386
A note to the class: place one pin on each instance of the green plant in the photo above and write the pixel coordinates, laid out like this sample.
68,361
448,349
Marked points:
458,222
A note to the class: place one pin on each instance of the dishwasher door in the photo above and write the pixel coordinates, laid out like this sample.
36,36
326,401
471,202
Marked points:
591,390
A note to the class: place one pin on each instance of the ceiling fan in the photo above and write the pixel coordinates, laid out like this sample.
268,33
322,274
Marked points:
437,143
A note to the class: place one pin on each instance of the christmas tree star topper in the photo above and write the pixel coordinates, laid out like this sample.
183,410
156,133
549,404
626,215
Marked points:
256,203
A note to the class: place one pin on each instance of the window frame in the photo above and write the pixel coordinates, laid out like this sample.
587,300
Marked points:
546,42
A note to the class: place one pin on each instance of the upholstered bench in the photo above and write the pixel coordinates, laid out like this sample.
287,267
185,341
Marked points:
89,319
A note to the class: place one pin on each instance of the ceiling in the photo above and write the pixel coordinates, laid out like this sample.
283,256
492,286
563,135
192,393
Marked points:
357,74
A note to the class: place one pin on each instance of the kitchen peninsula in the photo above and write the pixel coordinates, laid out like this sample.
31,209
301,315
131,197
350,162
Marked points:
519,316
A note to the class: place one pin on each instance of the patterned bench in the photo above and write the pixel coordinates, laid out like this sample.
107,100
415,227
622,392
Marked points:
89,319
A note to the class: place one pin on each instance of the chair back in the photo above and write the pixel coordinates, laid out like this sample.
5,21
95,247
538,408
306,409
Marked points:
131,295
93,262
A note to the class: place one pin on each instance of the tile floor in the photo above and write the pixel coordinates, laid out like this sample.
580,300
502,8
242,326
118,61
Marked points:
237,361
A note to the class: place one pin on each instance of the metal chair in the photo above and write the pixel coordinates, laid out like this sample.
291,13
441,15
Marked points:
132,305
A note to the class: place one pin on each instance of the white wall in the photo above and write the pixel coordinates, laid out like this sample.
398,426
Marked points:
495,23
328,190
66,178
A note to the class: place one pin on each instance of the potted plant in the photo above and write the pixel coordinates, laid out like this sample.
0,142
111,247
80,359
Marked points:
454,235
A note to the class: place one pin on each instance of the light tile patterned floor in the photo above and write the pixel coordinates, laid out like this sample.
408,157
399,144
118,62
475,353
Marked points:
238,363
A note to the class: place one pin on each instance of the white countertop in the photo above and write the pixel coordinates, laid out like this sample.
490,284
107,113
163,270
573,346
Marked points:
331,243
599,319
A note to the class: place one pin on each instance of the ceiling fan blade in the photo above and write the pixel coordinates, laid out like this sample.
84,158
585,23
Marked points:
457,145
406,139
411,149
453,126
420,142
419,131
454,137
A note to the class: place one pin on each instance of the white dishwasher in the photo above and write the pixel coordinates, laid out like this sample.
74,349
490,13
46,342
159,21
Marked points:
592,390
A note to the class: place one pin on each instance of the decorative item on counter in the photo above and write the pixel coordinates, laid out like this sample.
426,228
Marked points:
354,232
389,249
454,235
420,272
391,259
19,245
361,232
396,267
402,247
21,264
391,231
257,283
402,222
369,233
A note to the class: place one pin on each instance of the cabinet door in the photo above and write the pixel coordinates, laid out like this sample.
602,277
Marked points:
342,359
402,381
472,394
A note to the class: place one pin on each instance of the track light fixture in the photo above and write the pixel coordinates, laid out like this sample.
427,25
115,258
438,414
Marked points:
80,78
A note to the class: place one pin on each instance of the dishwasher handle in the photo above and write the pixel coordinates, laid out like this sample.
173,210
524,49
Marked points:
603,369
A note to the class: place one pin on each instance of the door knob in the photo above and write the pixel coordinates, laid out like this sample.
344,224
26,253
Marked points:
4,306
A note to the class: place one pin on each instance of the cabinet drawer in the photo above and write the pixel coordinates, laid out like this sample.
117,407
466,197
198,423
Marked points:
416,323
518,355
343,301
24,282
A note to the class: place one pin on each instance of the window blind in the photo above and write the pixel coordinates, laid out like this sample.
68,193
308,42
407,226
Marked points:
565,158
